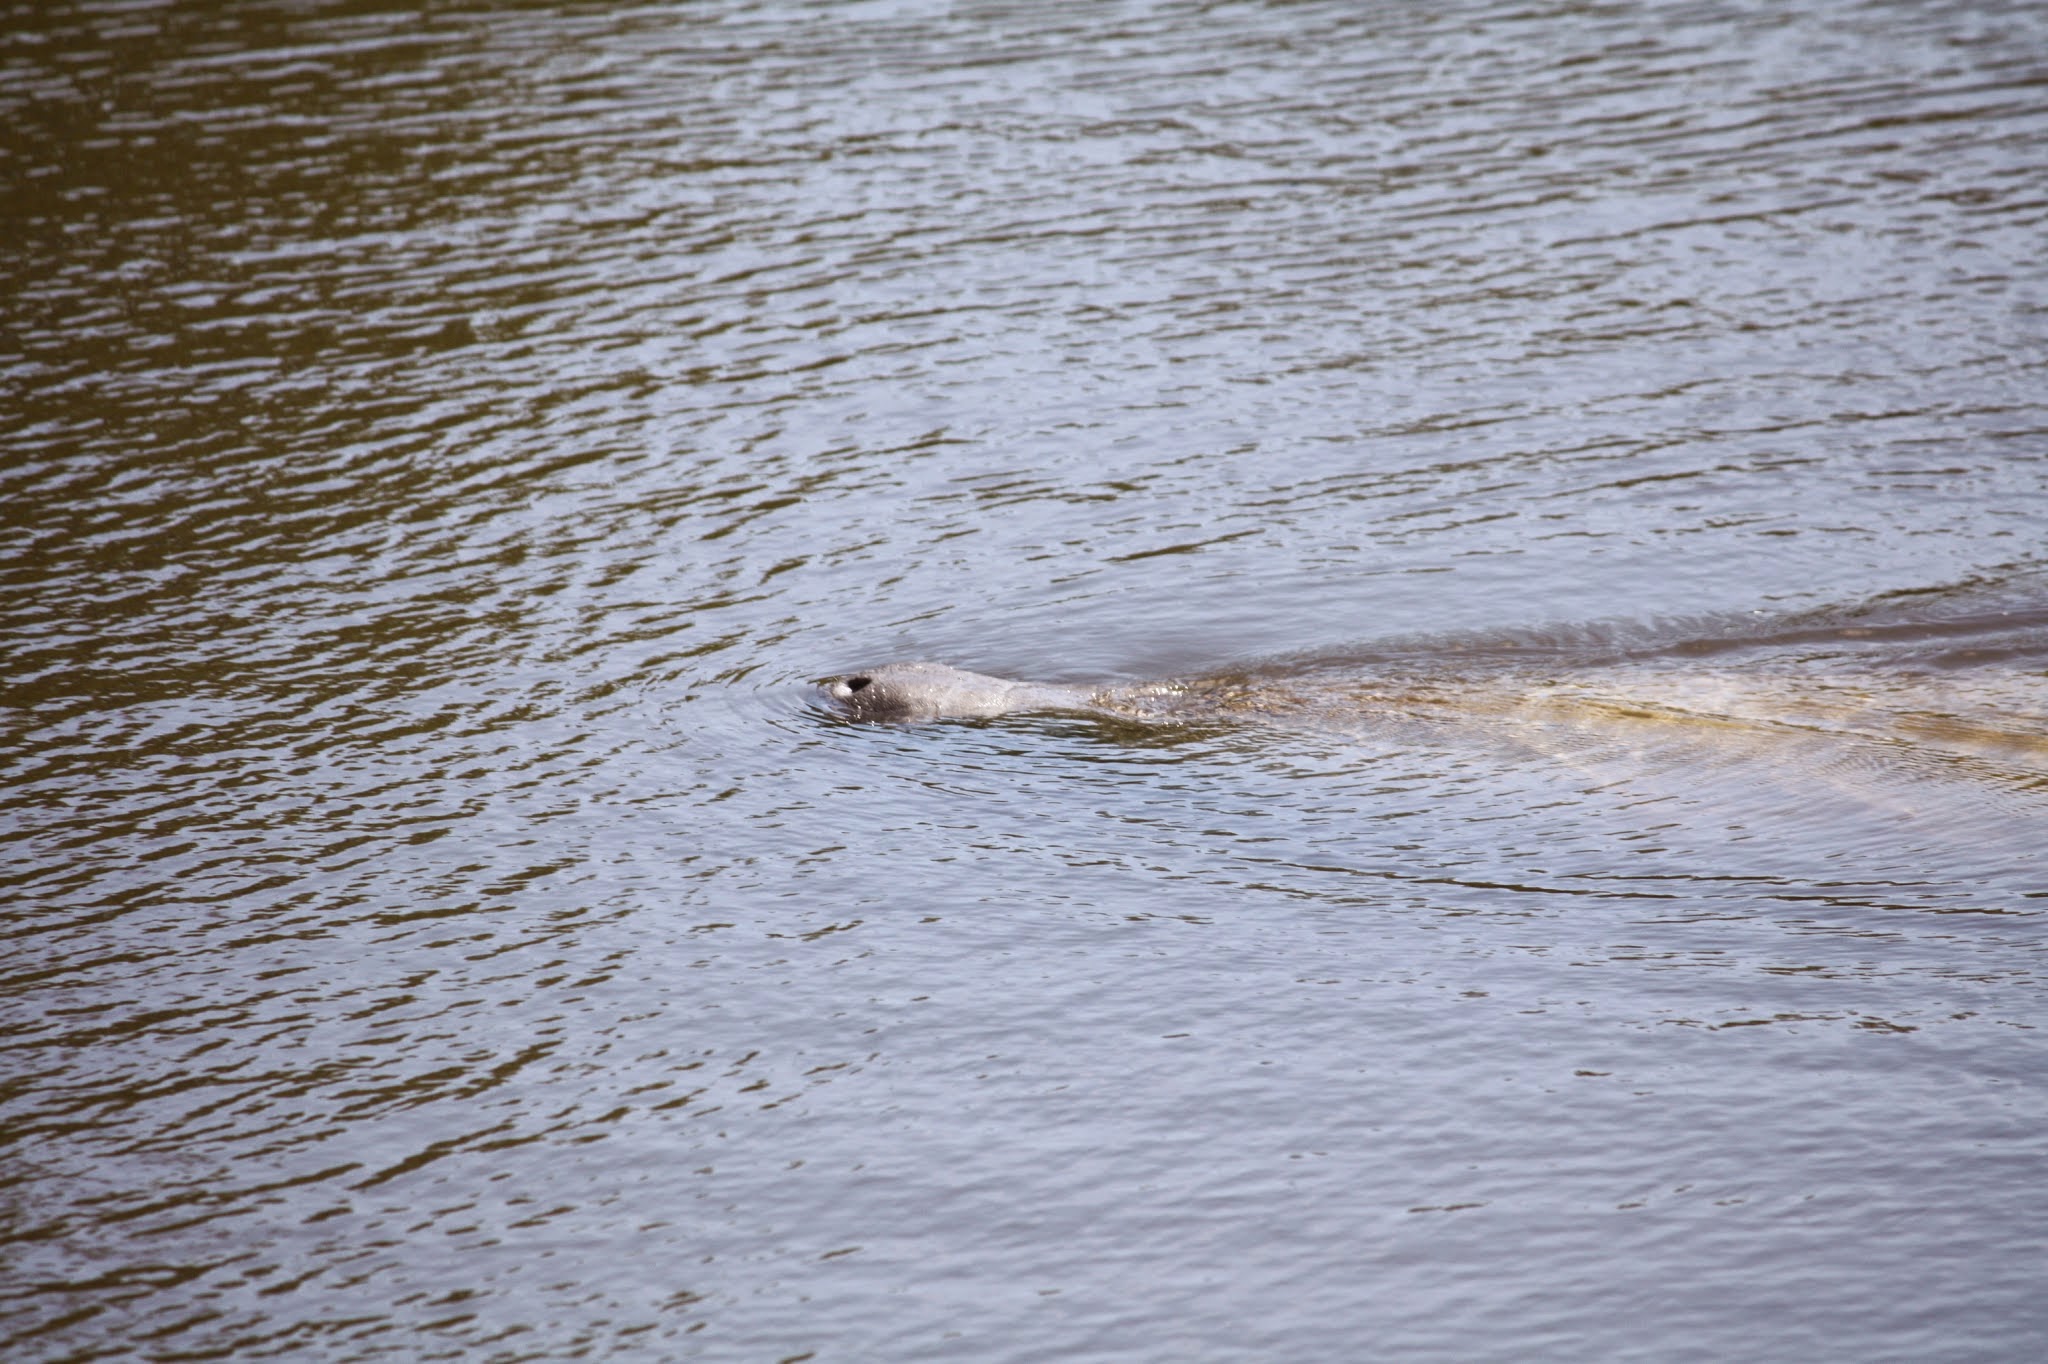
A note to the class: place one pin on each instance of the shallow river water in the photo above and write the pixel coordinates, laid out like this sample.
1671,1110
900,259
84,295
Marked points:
1597,453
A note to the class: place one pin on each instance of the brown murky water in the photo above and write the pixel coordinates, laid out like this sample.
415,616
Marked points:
1606,445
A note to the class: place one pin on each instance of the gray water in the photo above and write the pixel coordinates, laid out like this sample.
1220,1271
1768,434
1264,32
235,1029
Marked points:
1601,450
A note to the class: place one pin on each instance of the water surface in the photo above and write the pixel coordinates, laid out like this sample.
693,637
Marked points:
1606,443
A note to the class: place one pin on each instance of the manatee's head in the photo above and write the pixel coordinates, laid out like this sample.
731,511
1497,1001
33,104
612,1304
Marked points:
925,691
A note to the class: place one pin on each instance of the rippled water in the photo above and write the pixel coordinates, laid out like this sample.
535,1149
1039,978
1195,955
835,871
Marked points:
1599,452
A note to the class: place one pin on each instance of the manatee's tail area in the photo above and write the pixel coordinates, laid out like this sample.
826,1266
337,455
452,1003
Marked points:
1919,749
1940,726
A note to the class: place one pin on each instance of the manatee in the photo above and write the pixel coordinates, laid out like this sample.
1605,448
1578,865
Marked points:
1619,712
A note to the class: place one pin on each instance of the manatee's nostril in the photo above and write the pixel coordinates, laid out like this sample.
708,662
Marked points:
857,683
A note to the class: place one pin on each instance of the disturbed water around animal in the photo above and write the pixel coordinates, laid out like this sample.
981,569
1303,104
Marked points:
1566,481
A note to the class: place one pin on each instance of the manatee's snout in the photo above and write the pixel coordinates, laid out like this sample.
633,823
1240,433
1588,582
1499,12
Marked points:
846,688
845,692
877,694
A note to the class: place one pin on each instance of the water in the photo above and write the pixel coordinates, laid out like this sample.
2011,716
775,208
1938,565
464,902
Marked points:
440,448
